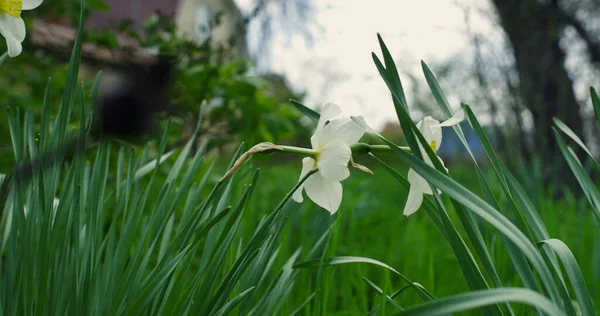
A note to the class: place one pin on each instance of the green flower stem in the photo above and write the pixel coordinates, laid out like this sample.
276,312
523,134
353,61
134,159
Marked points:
360,149
267,148
363,149
297,150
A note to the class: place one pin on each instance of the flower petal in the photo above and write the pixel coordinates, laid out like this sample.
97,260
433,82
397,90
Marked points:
413,202
12,26
343,130
457,118
14,47
329,112
361,121
333,161
431,131
31,4
326,194
307,165
418,183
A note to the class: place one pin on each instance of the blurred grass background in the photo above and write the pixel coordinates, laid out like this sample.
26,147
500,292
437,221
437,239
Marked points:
373,226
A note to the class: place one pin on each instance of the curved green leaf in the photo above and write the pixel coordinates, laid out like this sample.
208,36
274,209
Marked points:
574,273
595,103
312,114
569,132
316,263
468,301
473,202
3,58
586,183
233,303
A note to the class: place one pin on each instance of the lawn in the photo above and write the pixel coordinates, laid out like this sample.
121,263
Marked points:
372,225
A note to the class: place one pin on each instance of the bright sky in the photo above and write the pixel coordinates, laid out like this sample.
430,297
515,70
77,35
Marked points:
338,68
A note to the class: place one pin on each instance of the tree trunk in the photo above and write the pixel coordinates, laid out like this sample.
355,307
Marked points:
534,31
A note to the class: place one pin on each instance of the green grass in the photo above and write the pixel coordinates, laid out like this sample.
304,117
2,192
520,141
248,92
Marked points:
148,232
373,226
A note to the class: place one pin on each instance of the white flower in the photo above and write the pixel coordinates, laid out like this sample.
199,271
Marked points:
332,144
432,132
12,26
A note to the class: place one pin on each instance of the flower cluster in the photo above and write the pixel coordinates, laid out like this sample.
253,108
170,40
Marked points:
331,152
331,143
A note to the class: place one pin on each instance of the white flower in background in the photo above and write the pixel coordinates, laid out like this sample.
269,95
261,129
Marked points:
12,26
332,144
432,132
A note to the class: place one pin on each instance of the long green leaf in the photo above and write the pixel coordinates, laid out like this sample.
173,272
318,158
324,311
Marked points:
226,309
595,103
316,263
574,273
310,113
569,132
477,299
482,209
586,183
3,58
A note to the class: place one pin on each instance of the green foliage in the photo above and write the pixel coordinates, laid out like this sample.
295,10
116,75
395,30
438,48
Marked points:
525,257
105,247
241,107
156,232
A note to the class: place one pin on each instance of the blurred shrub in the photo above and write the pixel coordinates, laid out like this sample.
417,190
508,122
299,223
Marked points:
241,107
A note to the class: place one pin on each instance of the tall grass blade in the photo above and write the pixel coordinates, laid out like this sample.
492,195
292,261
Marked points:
477,299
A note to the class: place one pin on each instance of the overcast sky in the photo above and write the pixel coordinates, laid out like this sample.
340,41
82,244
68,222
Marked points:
337,66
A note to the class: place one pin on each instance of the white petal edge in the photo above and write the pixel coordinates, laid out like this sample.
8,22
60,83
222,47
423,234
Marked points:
362,122
329,112
344,130
333,161
418,183
14,47
307,166
413,202
31,4
457,118
326,194
15,27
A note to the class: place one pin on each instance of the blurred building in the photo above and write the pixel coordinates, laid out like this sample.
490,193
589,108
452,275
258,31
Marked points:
217,21
136,11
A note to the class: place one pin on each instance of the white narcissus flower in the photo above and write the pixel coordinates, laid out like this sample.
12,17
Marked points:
12,26
432,132
331,143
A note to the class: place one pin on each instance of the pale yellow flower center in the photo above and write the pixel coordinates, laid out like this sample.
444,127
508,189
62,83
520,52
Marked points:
11,7
433,145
